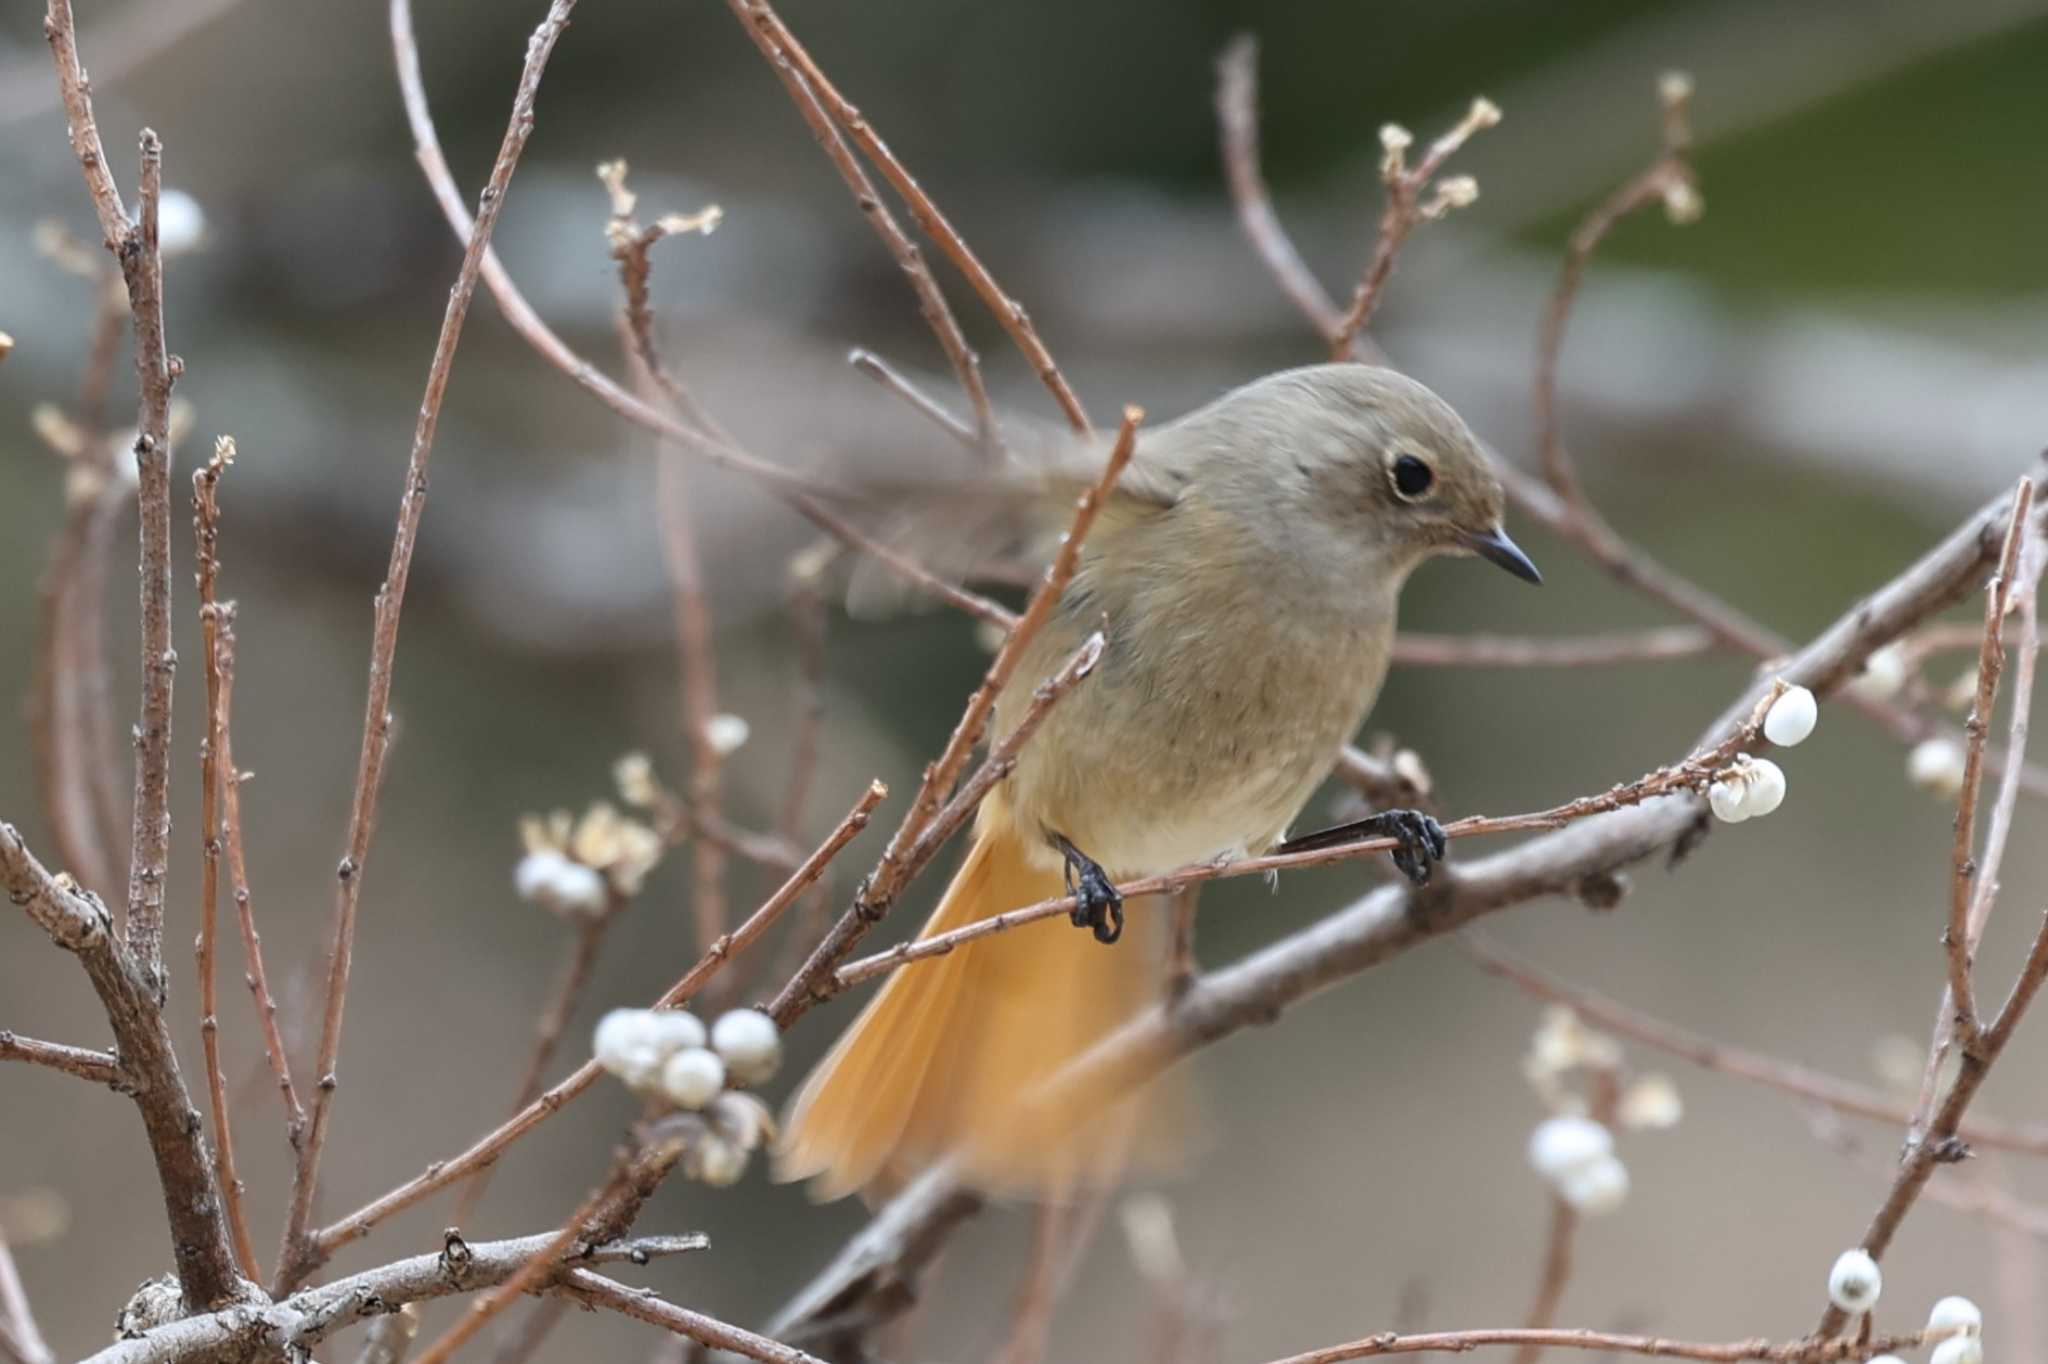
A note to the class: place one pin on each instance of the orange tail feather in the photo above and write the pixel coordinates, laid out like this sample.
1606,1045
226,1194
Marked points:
937,1063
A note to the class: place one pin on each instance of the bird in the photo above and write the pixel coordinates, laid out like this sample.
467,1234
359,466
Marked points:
1245,572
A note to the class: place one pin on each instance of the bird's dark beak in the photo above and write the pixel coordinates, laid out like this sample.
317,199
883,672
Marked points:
1496,546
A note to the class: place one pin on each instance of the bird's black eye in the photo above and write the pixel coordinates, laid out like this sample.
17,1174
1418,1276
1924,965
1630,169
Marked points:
1412,477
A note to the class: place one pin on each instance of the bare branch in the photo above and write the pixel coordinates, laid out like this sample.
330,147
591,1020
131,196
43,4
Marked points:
20,1340
487,1148
642,1304
384,645
1406,208
303,1320
926,406
1787,1077
1589,651
762,19
1758,1348
102,1068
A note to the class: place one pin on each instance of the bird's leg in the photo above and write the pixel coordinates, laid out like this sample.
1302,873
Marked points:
1096,902
1420,841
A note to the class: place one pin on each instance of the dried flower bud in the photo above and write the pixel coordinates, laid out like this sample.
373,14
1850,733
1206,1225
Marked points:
1937,766
1651,1102
1682,202
1674,87
1485,113
742,1119
750,1043
1791,717
1395,142
633,774
692,1077
1855,1282
1452,192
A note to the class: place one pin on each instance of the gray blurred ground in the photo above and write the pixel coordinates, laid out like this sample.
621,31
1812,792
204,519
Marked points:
1787,400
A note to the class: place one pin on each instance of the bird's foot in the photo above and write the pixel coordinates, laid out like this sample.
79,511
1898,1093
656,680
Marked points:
1419,840
1097,904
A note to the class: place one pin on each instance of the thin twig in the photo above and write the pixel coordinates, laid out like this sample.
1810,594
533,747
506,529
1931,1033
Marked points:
878,369
1237,115
1406,209
20,1340
931,300
908,849
1965,889
102,1068
217,653
390,602
1518,651
1729,1352
487,1148
1668,180
641,1304
761,18
1787,1077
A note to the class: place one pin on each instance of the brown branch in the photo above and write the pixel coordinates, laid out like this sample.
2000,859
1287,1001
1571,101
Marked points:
292,1327
1668,180
762,20
1801,1082
1237,115
20,1340
1406,209
878,369
1589,651
102,1068
908,849
932,306
217,652
489,1147
1940,1142
79,923
595,1290
1965,889
390,601
631,245
1729,1352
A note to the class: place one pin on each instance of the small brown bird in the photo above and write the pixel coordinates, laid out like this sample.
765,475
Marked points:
1247,569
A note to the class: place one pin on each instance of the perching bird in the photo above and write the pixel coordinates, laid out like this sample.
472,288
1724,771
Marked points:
1246,572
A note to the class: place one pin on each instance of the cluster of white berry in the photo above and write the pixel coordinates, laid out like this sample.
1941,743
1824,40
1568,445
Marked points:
1750,787
1577,1156
666,1053
1855,1283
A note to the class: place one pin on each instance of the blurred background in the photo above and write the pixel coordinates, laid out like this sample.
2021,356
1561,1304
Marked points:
1787,400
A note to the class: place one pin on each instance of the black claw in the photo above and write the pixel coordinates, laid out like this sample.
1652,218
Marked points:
1097,904
1420,841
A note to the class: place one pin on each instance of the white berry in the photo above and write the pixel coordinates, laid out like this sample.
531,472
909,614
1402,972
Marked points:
1595,1188
727,734
1791,717
1766,787
750,1043
1854,1283
1728,798
1956,1314
627,1045
1562,1145
673,1030
576,889
180,222
719,1163
536,872
692,1078
1884,673
1959,1350
1937,766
